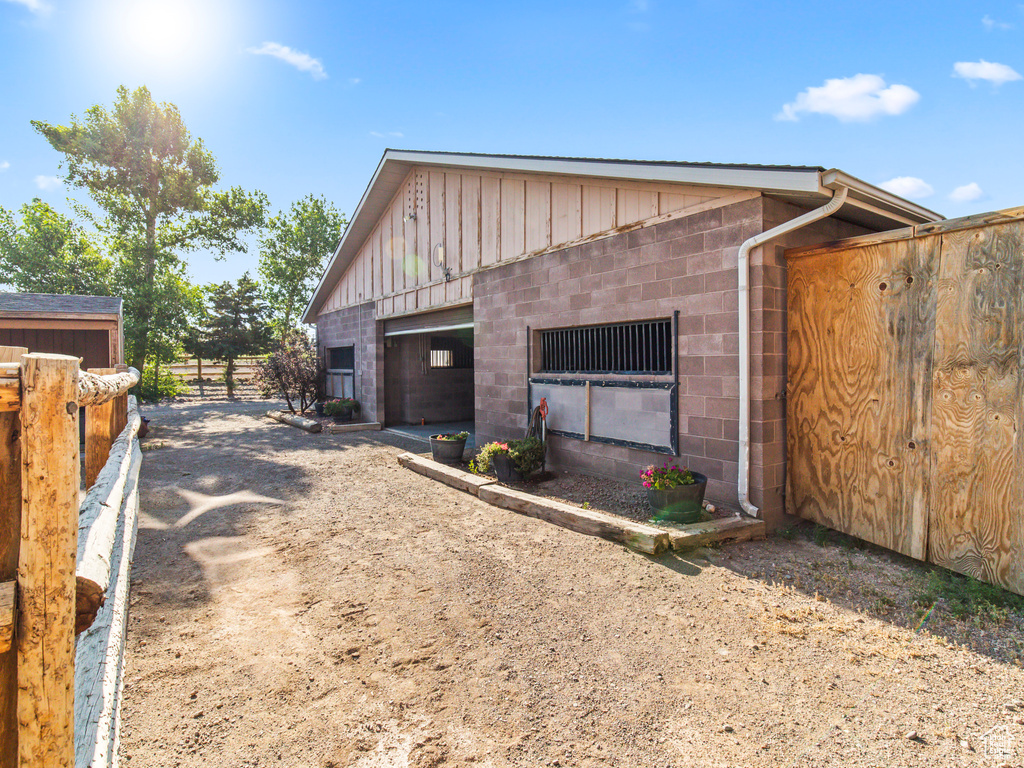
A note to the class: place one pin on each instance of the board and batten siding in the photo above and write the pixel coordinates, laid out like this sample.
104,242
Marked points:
483,219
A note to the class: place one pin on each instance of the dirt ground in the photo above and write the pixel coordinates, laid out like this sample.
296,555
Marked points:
301,600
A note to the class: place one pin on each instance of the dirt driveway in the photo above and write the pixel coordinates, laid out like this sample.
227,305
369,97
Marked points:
300,600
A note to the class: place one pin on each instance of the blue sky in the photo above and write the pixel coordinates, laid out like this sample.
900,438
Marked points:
299,97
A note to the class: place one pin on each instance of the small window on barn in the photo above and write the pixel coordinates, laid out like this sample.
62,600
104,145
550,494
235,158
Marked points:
446,352
638,348
341,358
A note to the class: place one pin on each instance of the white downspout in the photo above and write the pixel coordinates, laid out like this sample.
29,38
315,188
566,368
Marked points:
743,267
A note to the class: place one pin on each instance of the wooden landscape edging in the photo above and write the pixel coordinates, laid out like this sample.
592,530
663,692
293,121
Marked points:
294,420
739,528
643,538
456,478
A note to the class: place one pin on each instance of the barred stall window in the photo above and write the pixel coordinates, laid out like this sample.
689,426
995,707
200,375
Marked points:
341,363
638,348
446,352
342,358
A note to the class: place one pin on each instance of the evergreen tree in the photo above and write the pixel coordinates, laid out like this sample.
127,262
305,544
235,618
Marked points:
237,324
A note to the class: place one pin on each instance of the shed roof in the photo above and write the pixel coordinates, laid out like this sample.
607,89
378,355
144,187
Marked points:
12,304
805,185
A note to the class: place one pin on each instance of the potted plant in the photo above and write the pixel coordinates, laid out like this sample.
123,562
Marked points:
448,447
341,409
675,495
512,460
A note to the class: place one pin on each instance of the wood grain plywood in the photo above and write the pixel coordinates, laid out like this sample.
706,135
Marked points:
977,524
861,328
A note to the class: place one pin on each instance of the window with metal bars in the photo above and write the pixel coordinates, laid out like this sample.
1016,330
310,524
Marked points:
641,347
446,352
341,358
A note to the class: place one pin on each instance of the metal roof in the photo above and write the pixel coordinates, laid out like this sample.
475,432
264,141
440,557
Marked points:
51,303
809,186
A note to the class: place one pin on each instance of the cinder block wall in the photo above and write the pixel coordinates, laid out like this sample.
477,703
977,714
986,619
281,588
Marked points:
687,264
357,326
428,394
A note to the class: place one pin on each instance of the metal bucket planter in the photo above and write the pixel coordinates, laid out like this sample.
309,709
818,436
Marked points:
343,416
505,468
447,451
318,407
682,504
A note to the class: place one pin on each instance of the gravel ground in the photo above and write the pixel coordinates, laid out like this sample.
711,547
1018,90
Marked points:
301,600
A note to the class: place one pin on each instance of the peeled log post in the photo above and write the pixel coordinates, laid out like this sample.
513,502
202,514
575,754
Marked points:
95,390
98,521
46,564
310,425
10,539
99,433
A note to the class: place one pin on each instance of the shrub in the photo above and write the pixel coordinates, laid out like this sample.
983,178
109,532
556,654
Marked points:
341,406
157,384
293,371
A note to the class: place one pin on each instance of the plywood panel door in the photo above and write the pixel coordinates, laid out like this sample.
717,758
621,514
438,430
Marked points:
860,337
977,488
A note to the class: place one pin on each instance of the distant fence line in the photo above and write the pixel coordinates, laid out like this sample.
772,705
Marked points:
245,368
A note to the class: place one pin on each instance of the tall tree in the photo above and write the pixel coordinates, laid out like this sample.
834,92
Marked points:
49,253
292,254
237,324
154,186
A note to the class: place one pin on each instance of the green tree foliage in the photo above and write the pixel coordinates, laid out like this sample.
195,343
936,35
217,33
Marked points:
237,324
292,254
47,252
153,184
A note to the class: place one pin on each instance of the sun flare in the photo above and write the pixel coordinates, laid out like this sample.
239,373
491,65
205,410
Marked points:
164,32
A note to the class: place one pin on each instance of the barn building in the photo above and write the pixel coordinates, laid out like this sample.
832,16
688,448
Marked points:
629,294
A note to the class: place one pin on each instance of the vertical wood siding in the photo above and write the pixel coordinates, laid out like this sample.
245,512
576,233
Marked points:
483,219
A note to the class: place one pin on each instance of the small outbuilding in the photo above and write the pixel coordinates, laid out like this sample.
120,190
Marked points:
645,301
89,327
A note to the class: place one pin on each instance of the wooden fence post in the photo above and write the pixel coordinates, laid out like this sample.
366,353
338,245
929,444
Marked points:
46,566
120,412
10,538
100,425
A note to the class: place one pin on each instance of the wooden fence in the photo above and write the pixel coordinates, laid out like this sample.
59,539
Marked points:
905,406
190,370
63,564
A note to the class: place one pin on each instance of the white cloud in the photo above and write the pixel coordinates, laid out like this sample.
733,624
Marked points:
851,99
38,7
910,187
4,165
989,23
354,81
639,6
301,61
997,74
46,183
966,194
388,134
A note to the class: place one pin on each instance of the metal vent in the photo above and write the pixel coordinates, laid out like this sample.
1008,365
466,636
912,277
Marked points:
643,347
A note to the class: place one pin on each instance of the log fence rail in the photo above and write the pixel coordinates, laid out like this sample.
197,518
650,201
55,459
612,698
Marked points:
63,563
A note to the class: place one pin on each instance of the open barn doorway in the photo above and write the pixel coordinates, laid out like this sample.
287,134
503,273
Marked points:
428,372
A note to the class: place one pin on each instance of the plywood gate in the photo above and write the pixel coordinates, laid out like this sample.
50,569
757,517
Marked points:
906,400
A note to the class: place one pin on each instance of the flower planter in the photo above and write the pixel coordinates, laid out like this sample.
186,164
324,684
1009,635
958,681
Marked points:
319,408
343,416
682,504
505,469
447,451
